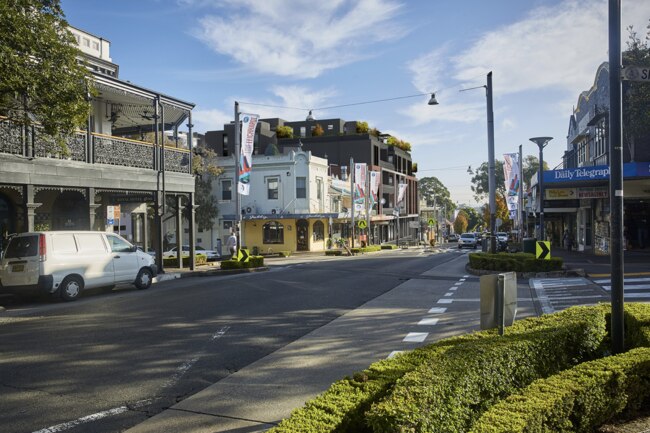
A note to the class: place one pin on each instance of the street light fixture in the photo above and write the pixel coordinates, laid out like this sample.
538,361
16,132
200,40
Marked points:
541,142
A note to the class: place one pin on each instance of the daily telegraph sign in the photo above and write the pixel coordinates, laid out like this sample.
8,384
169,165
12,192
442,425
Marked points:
597,172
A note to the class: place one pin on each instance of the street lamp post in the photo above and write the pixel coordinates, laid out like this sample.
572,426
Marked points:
491,164
541,143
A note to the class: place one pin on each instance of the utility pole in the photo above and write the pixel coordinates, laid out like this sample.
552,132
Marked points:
520,209
616,176
352,200
237,143
491,168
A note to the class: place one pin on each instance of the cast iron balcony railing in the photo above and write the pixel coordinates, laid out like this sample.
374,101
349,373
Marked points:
15,139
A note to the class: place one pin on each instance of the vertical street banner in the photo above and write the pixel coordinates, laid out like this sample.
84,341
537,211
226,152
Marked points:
360,173
401,194
374,187
249,123
511,173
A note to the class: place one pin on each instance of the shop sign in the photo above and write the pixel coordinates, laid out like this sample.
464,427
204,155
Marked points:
593,193
560,193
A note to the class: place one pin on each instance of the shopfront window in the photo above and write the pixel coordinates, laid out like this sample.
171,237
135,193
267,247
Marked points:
273,233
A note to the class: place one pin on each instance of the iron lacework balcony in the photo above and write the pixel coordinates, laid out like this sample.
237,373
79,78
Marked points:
91,148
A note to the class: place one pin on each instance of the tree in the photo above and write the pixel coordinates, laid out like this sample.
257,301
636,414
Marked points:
502,213
474,219
284,131
42,81
636,99
480,181
362,127
461,222
435,194
317,131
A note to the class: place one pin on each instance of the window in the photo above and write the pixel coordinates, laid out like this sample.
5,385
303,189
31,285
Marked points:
301,187
90,243
319,231
330,127
224,151
582,152
273,233
227,225
226,190
86,42
272,188
601,139
303,131
118,245
95,46
319,188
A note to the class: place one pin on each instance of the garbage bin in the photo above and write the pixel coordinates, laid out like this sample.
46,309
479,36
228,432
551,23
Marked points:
529,245
484,244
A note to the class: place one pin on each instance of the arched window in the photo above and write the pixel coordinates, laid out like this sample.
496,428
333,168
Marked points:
273,233
319,231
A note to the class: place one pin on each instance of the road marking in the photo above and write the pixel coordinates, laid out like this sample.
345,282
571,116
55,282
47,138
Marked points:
393,353
428,321
458,283
462,279
93,417
415,337
444,301
453,289
449,293
437,310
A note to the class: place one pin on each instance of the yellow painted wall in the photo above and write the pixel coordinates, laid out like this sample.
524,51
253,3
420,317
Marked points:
253,236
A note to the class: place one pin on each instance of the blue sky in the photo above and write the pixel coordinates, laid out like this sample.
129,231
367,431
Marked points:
314,54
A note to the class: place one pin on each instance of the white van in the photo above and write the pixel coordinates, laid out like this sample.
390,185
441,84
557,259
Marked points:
69,261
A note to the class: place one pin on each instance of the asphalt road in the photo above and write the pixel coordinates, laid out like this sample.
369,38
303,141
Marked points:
112,360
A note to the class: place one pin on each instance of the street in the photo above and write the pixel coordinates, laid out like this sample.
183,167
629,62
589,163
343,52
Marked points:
124,356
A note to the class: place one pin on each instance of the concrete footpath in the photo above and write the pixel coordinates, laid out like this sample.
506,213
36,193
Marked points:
260,395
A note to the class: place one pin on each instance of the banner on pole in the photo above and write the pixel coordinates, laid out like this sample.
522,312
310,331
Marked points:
360,173
374,187
249,123
401,193
511,173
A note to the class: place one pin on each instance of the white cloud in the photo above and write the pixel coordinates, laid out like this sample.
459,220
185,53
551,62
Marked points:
210,119
508,124
298,38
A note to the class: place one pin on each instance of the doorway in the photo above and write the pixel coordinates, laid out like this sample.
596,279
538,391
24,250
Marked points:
302,235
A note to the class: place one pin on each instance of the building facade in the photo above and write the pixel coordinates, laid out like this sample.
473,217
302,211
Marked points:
576,195
110,164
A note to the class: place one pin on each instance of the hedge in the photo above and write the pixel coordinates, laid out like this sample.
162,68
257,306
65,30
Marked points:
450,394
407,389
253,262
388,247
577,400
333,252
515,262
172,262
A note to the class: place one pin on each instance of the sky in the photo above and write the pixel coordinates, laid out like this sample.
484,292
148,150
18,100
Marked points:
280,58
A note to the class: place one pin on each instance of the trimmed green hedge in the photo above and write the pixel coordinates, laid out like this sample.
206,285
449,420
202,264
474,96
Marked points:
515,262
405,391
253,262
577,400
333,252
199,259
388,247
450,394
368,249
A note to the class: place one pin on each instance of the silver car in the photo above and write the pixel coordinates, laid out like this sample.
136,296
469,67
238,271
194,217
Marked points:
467,240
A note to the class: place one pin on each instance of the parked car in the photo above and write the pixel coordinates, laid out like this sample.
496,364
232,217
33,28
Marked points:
452,237
502,236
212,255
67,262
467,240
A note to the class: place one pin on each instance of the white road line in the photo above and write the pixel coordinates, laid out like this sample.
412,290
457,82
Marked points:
462,279
393,353
437,310
93,417
458,284
630,287
625,280
415,337
449,293
453,289
444,301
428,321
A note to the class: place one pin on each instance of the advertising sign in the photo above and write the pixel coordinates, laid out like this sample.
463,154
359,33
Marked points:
249,123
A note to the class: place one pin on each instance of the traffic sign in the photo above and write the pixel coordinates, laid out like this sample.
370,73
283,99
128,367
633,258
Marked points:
635,73
243,255
362,224
543,250
431,222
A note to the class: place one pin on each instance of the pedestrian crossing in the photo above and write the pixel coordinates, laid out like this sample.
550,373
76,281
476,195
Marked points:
633,287
556,294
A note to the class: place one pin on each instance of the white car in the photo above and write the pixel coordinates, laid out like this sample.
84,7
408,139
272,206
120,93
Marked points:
467,240
502,237
212,255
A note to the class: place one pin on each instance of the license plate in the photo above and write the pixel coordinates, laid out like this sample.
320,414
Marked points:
18,268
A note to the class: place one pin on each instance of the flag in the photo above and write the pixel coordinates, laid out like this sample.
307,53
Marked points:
401,193
374,187
249,123
360,173
511,173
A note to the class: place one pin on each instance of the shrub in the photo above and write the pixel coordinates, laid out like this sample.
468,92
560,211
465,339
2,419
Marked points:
253,262
516,262
388,247
576,400
449,395
199,259
540,346
284,131
284,253
333,252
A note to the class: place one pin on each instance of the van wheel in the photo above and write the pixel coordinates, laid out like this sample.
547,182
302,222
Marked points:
70,288
143,280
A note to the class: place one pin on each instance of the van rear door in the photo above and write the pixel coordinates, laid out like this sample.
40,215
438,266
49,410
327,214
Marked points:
20,264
